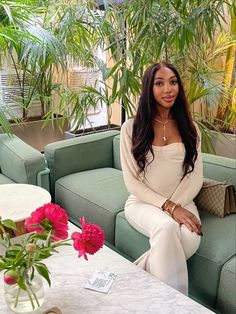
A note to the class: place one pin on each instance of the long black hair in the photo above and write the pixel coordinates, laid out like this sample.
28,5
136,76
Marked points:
143,134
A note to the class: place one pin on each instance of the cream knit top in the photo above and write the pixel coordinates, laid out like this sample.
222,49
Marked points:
163,176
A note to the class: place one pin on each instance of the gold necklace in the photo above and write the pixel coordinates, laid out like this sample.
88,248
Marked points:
164,128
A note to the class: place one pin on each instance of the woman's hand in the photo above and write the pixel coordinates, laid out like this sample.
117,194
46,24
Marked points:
184,216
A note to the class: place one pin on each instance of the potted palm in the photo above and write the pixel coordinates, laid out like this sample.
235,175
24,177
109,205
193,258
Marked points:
33,59
49,35
90,97
134,34
226,113
187,34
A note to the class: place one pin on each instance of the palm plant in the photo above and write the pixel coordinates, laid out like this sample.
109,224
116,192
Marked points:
202,76
141,32
226,113
100,93
73,25
36,61
182,32
14,16
134,34
48,32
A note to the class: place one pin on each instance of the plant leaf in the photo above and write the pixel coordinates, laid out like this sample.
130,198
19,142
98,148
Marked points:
21,283
9,224
43,271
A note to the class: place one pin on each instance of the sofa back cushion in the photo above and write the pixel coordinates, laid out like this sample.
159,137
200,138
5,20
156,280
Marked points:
5,180
214,167
219,168
79,154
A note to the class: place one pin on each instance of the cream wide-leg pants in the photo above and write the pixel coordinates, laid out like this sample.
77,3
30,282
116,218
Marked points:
171,244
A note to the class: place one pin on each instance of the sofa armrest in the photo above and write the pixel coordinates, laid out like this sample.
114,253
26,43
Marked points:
226,300
79,154
22,163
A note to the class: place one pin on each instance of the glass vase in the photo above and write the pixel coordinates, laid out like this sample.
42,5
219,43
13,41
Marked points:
25,301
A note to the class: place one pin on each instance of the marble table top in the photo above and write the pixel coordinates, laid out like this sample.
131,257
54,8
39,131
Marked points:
133,291
17,201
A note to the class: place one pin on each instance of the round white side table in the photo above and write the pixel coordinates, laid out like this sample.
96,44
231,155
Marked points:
18,201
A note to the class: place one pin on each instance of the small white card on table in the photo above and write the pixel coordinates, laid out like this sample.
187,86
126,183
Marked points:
100,281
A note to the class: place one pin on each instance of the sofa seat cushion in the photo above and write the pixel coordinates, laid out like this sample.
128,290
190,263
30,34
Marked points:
226,298
216,248
5,180
98,195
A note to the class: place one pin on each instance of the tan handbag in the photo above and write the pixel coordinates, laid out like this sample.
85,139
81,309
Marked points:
217,198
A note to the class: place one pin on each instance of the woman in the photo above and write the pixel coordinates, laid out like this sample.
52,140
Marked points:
162,166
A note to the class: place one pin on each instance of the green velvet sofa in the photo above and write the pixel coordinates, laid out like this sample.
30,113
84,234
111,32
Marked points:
86,179
21,163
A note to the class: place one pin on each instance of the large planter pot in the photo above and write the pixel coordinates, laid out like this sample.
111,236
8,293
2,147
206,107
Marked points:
34,134
224,144
102,128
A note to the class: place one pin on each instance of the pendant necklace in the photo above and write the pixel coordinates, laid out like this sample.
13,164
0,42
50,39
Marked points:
164,128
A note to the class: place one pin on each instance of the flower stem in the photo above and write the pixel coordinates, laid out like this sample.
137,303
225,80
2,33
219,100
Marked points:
17,297
35,296
30,297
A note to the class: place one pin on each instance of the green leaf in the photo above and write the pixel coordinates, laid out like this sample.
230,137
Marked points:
6,239
4,121
21,283
3,266
43,271
113,69
9,224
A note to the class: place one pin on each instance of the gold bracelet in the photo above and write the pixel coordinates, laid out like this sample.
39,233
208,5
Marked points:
174,207
165,204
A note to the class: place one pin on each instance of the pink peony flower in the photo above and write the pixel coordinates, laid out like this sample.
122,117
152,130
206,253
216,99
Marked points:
10,277
90,240
49,217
